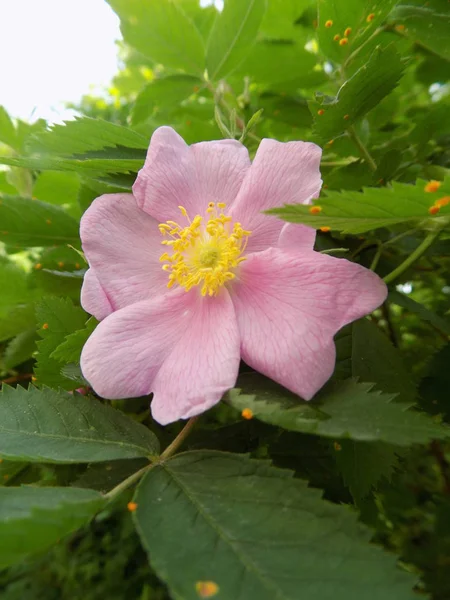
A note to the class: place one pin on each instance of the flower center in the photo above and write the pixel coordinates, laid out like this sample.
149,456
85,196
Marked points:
205,252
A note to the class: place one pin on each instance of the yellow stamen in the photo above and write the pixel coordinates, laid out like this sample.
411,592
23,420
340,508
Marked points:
206,252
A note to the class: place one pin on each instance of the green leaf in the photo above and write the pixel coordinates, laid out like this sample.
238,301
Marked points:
33,519
353,14
358,212
425,26
20,349
26,222
256,533
163,32
42,425
15,320
359,94
232,36
8,133
110,161
163,93
70,350
436,383
9,470
375,359
363,465
86,135
345,410
57,318
419,309
58,188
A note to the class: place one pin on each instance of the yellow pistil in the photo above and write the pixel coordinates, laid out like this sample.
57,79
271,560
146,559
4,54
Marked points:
205,252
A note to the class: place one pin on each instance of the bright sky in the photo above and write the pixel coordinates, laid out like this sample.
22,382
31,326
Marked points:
52,51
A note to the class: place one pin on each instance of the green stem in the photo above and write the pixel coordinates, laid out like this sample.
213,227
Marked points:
126,483
412,258
169,451
173,447
376,258
361,147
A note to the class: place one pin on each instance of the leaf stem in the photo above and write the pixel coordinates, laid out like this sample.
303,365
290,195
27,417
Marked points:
173,447
418,252
361,147
126,483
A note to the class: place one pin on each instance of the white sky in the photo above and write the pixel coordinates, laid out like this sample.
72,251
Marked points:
52,51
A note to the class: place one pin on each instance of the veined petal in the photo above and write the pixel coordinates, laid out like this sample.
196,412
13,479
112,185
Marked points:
181,346
295,237
289,307
175,174
93,297
123,247
281,173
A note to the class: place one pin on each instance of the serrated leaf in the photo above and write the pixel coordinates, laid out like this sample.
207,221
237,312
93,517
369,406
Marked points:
232,36
358,212
8,133
19,349
163,32
257,534
26,222
57,318
362,465
426,26
85,135
163,94
345,410
359,94
351,14
70,350
42,425
110,161
105,476
33,519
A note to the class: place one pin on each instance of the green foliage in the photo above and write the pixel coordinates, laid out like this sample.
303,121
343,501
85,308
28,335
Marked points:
346,410
56,427
356,212
228,44
233,507
33,519
70,350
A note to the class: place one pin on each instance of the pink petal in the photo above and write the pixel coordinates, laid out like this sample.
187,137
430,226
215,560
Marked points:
296,237
289,307
281,173
93,297
181,346
123,246
175,174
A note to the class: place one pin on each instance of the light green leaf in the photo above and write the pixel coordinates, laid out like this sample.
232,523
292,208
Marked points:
20,349
57,318
164,94
58,188
357,96
86,135
426,26
26,222
8,133
163,32
70,350
110,161
353,14
257,533
42,425
16,319
346,410
232,36
32,519
358,212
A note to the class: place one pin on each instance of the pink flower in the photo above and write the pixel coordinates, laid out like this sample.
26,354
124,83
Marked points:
182,302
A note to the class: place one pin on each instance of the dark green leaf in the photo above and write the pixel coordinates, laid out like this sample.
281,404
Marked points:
419,309
33,519
233,35
70,350
257,534
20,349
26,222
346,410
42,425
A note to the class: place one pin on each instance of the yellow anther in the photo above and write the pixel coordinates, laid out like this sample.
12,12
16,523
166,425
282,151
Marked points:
206,252
432,186
183,211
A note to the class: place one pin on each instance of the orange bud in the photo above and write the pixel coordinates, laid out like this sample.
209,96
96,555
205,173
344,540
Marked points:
132,506
348,31
337,446
343,42
320,112
433,210
337,37
432,186
442,201
370,17
325,229
329,23
346,117
247,413
315,210
206,589
45,326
